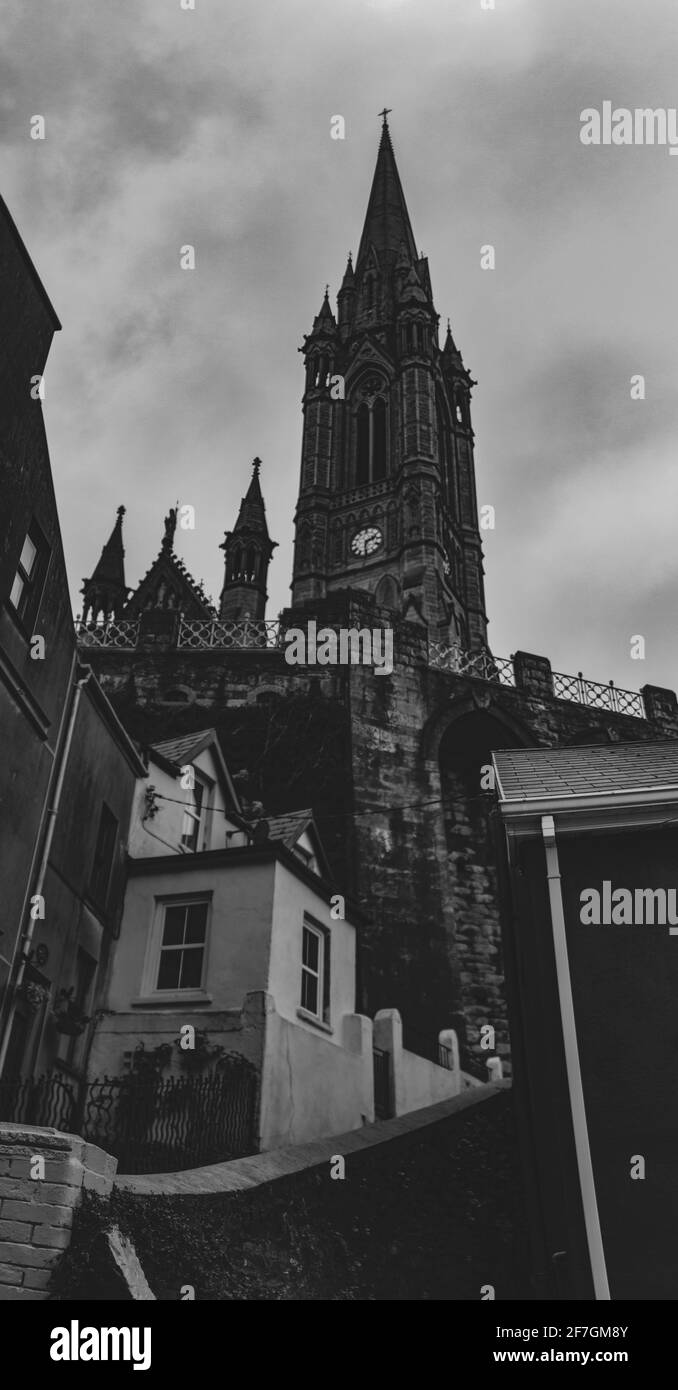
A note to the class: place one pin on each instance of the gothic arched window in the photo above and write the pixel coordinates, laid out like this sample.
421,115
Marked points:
370,442
363,445
378,439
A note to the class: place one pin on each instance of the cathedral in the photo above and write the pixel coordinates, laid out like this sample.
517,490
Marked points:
386,533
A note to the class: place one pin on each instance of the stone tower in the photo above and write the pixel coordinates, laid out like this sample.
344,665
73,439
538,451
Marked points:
247,550
387,498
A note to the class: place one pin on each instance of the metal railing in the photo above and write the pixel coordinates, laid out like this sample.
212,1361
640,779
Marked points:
150,1124
479,664
117,632
224,634
427,1045
597,695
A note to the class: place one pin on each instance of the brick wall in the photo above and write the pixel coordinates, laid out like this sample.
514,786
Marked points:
36,1212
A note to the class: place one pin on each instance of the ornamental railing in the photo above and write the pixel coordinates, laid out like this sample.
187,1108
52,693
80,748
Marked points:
597,695
501,670
122,633
149,1123
479,664
200,635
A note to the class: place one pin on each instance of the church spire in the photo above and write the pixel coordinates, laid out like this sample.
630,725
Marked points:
247,550
106,592
387,221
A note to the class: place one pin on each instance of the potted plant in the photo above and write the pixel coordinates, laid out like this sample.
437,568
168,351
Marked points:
69,1017
33,995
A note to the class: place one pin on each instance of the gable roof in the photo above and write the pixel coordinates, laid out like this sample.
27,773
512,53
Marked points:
535,774
290,827
175,753
191,597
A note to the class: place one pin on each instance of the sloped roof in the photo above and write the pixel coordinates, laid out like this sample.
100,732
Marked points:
289,828
186,748
171,568
530,774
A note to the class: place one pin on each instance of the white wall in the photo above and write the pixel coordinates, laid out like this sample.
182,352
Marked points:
292,899
310,1087
420,1082
162,833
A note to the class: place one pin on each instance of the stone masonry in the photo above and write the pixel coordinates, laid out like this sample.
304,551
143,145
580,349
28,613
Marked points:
36,1212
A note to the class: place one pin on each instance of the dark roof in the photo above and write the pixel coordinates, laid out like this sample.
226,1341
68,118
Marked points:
176,752
529,774
181,750
289,827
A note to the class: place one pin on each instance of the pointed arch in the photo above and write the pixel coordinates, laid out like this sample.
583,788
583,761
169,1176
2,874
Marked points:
362,473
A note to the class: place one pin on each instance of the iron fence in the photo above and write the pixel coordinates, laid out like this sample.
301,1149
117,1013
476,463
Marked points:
149,1123
224,634
122,633
48,1101
597,695
482,665
427,1045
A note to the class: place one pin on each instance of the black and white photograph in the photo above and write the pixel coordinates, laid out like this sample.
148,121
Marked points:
338,665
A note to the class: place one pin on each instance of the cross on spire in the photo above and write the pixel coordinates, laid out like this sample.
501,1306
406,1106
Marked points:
386,112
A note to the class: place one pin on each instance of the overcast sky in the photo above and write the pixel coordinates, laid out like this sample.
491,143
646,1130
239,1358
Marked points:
212,126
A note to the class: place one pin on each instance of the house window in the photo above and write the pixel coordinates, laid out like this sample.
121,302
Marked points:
315,971
31,569
103,857
194,817
182,948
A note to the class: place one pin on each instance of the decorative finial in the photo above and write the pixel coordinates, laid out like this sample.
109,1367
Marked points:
170,528
386,112
327,291
256,465
121,512
449,330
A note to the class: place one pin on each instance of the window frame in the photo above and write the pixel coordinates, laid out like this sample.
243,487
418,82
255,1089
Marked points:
150,993
202,819
322,933
27,605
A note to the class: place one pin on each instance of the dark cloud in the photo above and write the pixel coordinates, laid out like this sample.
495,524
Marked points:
212,127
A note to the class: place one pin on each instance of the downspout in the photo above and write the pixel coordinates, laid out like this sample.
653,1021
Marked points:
581,1137
25,939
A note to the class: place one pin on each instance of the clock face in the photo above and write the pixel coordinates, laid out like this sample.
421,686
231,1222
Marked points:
368,540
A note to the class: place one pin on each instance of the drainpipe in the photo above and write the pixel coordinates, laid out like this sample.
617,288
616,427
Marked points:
25,939
581,1137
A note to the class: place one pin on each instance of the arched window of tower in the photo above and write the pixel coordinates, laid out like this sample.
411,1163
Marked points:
387,593
379,439
363,445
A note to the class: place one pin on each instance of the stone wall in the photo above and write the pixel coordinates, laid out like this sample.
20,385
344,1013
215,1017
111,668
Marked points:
38,1200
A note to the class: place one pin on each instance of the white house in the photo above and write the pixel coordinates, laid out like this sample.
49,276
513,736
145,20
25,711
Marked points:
238,931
